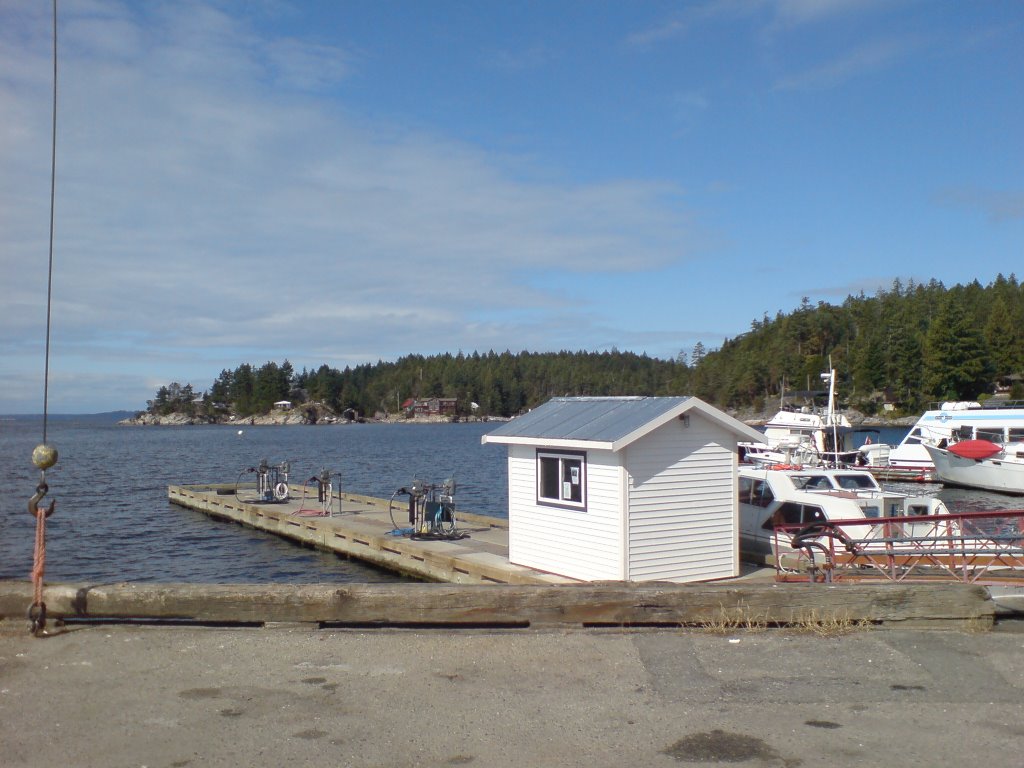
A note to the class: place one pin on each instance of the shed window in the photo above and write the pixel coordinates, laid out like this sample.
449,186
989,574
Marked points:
561,479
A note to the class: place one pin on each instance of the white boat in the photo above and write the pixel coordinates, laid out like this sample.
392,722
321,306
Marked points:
804,436
814,495
980,463
966,420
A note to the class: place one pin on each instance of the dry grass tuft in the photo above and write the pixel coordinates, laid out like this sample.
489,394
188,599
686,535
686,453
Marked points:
829,625
740,618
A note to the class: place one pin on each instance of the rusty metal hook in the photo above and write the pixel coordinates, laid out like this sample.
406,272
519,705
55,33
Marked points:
37,618
33,503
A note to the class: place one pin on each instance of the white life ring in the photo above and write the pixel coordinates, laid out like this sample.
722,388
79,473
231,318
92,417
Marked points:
281,491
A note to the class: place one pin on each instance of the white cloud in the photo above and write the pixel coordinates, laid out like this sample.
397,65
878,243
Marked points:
774,16
208,206
790,13
868,57
693,15
998,205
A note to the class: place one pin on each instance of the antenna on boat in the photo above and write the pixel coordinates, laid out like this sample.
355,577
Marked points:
830,413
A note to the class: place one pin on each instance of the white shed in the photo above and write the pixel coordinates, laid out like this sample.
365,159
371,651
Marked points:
624,488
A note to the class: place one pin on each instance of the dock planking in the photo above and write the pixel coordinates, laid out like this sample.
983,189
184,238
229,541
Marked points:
363,530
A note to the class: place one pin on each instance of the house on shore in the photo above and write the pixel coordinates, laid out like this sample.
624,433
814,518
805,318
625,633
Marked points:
624,488
432,406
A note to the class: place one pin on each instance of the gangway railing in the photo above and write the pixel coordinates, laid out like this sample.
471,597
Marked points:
969,547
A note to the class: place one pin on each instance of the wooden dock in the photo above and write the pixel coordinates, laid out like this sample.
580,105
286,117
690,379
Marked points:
483,587
363,530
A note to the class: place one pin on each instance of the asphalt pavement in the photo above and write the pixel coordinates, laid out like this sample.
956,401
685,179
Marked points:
289,695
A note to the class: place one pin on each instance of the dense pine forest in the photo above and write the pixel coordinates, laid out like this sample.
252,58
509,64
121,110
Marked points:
908,345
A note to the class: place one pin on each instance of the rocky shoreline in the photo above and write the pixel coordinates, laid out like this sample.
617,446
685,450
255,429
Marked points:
322,416
279,418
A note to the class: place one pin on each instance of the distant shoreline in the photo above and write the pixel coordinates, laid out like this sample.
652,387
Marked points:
290,418
296,418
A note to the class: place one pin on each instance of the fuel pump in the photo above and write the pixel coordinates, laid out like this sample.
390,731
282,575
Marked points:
324,491
271,481
430,510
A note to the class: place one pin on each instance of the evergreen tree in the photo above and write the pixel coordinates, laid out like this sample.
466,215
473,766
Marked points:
956,366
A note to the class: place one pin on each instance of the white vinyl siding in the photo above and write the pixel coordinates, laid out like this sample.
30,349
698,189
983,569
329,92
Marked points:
662,507
682,505
585,545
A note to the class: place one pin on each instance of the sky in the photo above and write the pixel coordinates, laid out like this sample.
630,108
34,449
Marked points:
345,182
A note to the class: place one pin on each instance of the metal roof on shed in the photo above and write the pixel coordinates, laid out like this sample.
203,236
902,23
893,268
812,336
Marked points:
606,422
596,419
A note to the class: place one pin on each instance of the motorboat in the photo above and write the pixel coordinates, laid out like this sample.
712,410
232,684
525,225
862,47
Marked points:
809,435
812,496
963,420
984,464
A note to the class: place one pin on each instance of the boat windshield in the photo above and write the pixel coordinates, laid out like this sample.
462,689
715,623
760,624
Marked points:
856,482
990,434
853,481
811,482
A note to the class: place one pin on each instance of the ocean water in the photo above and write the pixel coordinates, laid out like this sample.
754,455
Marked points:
113,521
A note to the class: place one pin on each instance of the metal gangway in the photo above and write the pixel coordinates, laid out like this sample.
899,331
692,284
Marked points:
968,547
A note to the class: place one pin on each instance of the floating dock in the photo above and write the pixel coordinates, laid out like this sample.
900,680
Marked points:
893,475
363,530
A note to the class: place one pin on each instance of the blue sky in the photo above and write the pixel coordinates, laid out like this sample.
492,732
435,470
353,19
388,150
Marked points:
347,182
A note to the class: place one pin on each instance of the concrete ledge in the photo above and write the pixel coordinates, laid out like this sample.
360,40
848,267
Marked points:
939,606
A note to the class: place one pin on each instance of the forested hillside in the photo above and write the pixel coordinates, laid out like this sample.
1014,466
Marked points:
915,342
909,345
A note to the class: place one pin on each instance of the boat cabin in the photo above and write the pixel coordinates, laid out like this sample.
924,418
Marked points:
806,497
624,488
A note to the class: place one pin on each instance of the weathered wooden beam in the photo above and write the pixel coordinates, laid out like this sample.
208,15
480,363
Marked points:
577,605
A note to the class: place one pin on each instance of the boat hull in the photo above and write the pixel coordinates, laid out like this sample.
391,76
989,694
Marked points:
1002,473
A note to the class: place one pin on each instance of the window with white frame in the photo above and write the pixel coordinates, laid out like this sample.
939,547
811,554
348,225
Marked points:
562,479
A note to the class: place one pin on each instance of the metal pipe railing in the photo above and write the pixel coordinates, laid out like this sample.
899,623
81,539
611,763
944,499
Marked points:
970,547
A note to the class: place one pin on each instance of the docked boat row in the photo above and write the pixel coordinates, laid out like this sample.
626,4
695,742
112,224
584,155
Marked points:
961,443
813,498
808,436
827,524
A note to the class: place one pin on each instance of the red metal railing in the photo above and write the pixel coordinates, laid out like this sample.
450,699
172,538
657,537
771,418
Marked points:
970,547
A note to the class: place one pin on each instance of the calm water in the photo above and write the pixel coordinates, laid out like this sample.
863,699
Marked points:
114,523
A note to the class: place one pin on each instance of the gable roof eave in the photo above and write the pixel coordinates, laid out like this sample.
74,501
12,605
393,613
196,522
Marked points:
712,414
549,442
